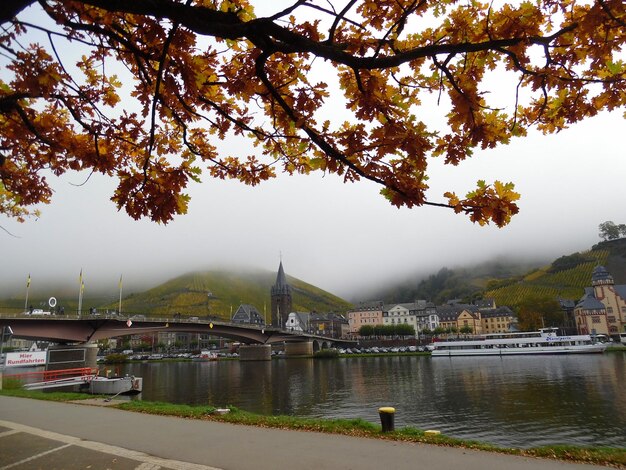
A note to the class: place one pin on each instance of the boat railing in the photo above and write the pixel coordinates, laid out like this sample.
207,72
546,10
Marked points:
50,375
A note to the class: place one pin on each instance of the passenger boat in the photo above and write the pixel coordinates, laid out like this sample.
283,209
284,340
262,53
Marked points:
544,341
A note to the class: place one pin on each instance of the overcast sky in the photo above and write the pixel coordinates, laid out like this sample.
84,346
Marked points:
344,238
340,237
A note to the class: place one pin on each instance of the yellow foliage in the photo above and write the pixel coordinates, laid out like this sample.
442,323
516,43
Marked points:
211,69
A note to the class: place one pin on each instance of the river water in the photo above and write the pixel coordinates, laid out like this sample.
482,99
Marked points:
521,401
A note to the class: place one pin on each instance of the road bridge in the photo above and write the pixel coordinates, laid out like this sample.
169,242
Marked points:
61,329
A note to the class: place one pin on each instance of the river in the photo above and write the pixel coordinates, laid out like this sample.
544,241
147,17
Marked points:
523,401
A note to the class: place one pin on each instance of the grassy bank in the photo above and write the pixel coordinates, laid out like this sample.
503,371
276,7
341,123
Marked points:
49,396
615,457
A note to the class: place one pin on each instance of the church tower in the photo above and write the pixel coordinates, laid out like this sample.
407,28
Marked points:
281,299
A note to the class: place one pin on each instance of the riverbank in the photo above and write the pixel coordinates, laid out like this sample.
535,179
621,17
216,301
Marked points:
162,440
614,457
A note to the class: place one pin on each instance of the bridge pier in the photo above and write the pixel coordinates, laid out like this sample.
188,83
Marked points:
255,352
72,356
300,348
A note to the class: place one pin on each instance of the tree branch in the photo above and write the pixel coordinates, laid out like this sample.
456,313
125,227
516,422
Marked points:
269,36
9,9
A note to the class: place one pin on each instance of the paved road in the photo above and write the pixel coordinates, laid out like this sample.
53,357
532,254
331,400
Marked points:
45,435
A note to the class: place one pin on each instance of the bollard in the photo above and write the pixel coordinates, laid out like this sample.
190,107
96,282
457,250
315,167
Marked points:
387,415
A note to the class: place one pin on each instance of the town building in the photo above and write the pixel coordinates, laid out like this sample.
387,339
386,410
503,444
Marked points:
367,313
590,315
298,321
486,304
400,314
497,320
426,316
331,325
18,344
248,314
602,309
455,316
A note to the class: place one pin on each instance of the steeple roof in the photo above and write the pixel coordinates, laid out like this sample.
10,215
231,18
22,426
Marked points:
281,279
281,287
601,275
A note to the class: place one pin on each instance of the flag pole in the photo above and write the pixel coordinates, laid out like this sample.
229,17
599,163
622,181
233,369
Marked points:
81,286
119,309
27,289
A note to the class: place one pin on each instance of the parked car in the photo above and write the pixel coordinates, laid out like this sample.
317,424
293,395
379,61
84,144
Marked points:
37,311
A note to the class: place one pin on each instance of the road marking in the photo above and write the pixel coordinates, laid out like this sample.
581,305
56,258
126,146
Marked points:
105,448
34,457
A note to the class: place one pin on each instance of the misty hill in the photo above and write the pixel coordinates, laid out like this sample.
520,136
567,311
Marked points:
566,277
511,283
189,295
459,283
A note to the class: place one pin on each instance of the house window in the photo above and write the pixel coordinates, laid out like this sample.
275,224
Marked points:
611,319
609,310
595,319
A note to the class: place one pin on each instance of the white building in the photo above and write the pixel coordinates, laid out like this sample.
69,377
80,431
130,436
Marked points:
298,321
399,314
421,315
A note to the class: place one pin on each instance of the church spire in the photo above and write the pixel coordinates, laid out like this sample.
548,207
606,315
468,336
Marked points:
281,279
281,298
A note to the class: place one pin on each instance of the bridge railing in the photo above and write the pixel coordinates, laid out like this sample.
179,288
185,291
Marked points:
148,318
133,318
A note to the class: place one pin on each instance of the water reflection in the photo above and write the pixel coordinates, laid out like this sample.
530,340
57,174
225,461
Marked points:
515,401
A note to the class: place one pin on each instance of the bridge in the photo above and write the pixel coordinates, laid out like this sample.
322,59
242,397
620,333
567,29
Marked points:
62,329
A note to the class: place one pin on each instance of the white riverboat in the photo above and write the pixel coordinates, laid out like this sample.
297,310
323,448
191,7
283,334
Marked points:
544,341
